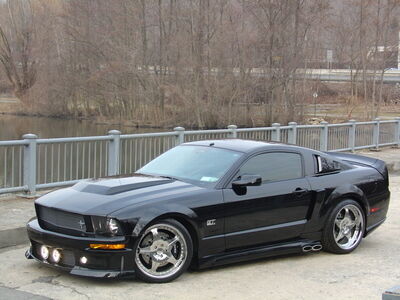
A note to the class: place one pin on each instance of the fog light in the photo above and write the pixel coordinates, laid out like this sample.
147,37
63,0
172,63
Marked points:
83,260
44,252
56,255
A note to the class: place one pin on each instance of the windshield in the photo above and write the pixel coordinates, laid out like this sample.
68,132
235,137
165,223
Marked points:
194,163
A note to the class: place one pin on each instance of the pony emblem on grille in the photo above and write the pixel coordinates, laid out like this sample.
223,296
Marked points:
81,224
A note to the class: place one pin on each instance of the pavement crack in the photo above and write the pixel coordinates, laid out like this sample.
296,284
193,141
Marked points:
51,280
74,290
45,279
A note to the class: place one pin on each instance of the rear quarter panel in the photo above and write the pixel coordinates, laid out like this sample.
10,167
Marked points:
362,184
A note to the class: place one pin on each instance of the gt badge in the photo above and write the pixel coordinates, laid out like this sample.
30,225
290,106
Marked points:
211,222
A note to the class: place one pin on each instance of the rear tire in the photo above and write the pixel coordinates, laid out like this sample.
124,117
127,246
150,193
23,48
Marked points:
163,252
344,228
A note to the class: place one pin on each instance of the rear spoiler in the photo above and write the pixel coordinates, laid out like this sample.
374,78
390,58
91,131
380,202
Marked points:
360,160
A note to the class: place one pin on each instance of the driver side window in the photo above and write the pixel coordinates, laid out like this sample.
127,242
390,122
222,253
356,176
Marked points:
274,166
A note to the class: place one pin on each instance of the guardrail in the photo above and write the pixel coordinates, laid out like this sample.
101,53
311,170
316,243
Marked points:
32,163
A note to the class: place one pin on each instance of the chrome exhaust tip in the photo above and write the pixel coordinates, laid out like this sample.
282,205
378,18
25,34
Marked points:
307,248
316,248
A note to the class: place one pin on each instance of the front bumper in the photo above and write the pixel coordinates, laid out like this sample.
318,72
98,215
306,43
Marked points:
100,263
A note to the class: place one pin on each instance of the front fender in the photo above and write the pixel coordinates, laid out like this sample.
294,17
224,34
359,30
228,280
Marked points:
136,219
162,212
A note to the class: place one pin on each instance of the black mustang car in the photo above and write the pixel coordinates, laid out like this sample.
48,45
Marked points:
208,203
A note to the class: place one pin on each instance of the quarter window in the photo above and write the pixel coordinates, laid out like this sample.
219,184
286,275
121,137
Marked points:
274,166
326,165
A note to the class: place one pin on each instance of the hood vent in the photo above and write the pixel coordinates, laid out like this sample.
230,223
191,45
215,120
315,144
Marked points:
115,186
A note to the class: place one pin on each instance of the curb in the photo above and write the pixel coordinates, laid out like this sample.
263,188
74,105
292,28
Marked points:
393,166
13,237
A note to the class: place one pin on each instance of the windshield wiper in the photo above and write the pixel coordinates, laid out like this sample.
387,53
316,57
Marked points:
168,177
157,175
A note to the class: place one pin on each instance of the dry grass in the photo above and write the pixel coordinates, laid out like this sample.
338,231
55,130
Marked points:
333,108
8,107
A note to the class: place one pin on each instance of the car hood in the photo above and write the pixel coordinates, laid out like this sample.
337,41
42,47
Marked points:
101,197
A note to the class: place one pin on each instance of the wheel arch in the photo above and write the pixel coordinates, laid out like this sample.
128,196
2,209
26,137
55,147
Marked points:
148,215
362,202
185,221
342,193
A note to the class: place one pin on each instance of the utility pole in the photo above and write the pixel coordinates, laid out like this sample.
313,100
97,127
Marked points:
315,96
398,53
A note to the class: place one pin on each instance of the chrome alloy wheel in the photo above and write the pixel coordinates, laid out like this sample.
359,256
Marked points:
161,252
349,227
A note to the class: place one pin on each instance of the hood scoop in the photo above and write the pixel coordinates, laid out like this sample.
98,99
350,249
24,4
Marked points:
118,185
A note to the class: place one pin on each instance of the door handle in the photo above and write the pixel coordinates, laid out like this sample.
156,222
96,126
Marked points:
299,192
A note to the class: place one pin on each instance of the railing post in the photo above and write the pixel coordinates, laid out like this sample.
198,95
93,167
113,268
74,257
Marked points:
113,152
323,143
30,163
352,135
180,135
276,133
292,134
376,134
397,132
233,133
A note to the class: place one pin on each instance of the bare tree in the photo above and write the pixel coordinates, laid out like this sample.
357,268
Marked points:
16,53
200,63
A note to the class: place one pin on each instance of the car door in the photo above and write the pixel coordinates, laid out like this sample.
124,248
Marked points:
274,211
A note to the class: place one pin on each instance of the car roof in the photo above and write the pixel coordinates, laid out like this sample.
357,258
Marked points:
243,145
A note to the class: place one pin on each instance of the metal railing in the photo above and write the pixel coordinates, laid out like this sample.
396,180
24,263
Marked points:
32,163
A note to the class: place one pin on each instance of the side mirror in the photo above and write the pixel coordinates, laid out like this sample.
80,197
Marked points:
247,180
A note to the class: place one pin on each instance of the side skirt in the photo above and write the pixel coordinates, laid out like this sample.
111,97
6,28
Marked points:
257,252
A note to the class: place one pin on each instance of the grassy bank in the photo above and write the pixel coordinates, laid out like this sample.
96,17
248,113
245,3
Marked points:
331,109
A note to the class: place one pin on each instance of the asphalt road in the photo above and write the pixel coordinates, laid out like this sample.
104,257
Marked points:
6,99
364,274
389,76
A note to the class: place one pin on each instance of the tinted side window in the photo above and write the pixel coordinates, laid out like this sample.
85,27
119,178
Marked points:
274,166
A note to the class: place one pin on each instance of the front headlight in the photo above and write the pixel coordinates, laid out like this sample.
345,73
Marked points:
112,226
106,226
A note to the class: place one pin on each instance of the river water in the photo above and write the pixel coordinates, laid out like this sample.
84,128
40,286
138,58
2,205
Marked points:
13,127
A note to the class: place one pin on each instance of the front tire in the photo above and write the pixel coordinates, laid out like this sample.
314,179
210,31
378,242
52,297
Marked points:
163,252
345,228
